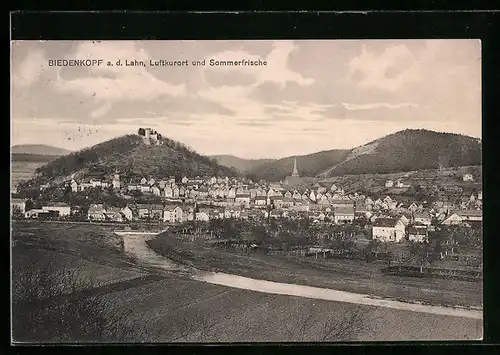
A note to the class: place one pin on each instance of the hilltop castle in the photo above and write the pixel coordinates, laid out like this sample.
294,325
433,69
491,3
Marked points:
150,136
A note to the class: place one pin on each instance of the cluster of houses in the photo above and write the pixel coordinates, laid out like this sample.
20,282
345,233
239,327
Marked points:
391,221
403,184
419,224
206,198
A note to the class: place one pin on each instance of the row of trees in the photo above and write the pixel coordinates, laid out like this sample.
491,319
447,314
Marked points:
285,233
450,239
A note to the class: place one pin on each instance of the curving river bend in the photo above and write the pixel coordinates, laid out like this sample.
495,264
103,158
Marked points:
135,245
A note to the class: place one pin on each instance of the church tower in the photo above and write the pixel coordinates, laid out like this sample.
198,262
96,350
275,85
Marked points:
295,171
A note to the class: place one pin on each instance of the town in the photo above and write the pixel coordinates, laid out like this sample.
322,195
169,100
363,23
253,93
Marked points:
392,219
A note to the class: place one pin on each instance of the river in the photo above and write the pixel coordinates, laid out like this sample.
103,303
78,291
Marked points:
135,245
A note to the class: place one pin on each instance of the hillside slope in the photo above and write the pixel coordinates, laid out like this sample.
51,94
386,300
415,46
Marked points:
242,165
308,165
409,150
132,159
38,149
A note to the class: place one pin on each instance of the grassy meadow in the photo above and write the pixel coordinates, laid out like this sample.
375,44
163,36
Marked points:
170,308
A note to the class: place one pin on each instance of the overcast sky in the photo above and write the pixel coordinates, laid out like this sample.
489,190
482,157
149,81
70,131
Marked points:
311,96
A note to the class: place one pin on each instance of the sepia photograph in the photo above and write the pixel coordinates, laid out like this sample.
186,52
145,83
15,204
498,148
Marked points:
238,191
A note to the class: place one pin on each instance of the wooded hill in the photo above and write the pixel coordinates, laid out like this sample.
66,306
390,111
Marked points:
407,150
133,159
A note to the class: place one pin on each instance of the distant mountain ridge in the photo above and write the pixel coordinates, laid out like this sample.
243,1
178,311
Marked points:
132,159
240,164
407,150
308,165
38,149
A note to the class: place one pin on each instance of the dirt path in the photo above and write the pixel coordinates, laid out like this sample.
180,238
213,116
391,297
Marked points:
280,288
135,245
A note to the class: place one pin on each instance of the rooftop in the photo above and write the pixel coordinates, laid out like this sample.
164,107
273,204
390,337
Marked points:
385,222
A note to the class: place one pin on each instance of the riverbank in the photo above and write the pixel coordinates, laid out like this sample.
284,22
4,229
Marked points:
342,275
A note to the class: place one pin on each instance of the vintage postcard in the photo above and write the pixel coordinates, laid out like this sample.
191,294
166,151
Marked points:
246,191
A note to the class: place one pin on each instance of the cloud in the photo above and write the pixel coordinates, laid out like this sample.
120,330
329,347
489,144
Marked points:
276,71
255,123
354,107
127,83
316,94
389,70
30,69
101,111
304,112
235,98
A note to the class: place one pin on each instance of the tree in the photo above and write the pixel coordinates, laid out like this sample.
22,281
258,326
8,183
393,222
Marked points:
420,253
54,303
16,213
308,325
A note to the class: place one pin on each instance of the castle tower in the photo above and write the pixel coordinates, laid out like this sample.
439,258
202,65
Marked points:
147,132
295,171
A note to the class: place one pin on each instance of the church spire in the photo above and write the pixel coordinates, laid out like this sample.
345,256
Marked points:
295,171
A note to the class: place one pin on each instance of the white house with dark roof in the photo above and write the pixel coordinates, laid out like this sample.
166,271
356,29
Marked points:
127,213
343,214
62,208
96,212
173,214
156,191
243,199
463,216
467,177
388,229
417,232
423,217
19,204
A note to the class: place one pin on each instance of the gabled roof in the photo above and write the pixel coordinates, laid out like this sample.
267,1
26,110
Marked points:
417,231
344,210
110,210
425,214
143,206
242,195
342,202
96,208
385,222
469,213
57,204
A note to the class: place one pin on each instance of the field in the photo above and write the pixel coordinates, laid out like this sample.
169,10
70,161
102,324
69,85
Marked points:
23,170
174,308
345,275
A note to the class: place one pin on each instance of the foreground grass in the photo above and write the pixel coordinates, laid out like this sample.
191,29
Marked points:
344,275
88,241
173,309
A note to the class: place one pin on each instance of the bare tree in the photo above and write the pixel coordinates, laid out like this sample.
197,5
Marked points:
346,327
309,326
299,328
198,328
51,303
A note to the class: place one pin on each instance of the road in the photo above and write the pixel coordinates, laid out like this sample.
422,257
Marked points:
135,245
